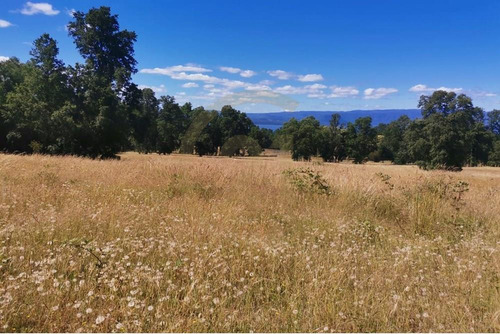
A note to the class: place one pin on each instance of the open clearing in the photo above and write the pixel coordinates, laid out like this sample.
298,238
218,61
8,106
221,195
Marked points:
181,243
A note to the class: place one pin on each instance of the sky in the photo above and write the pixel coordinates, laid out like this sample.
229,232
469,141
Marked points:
267,56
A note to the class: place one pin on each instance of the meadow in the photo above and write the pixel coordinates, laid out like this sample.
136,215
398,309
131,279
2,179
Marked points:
186,244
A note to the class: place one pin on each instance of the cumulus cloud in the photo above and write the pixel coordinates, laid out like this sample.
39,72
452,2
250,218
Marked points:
175,69
157,89
266,82
315,90
3,58
4,24
420,88
190,85
228,69
310,77
236,70
32,8
282,75
343,91
247,73
257,87
484,94
377,93
182,72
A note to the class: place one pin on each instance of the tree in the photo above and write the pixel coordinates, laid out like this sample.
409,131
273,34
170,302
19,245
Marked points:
107,50
143,119
494,122
231,123
392,137
34,107
170,125
263,136
449,132
331,141
101,84
361,139
302,137
494,155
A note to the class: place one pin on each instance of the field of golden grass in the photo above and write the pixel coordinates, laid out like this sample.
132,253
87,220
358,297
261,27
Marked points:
182,243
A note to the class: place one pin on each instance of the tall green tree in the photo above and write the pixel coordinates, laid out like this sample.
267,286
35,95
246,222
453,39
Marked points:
170,125
361,139
494,122
302,137
232,123
103,81
452,132
331,141
143,119
392,138
34,108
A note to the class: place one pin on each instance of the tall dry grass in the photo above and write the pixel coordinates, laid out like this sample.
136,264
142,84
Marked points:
180,243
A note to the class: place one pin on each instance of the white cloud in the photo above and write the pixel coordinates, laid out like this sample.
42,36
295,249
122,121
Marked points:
3,58
282,75
485,94
377,93
481,93
5,24
156,89
179,73
175,69
266,82
420,88
32,8
310,77
232,70
190,85
343,91
257,87
235,70
314,90
247,73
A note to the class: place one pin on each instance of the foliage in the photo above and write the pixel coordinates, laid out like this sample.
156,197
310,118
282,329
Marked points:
95,110
332,141
361,139
308,181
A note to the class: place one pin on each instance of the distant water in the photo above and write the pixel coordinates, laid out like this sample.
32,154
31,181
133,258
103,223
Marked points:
275,120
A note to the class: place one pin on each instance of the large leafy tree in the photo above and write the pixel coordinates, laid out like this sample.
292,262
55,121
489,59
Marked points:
143,117
107,50
494,122
302,137
452,132
264,137
232,123
331,141
392,137
103,80
33,109
170,125
361,139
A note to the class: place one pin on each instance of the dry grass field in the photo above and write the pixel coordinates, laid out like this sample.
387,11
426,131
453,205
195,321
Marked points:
181,243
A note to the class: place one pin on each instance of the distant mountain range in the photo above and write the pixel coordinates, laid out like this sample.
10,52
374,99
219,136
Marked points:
276,119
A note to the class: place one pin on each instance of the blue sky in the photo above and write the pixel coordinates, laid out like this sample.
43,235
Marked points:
323,55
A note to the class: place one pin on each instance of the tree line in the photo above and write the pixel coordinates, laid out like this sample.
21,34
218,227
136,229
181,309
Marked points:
94,109
452,133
